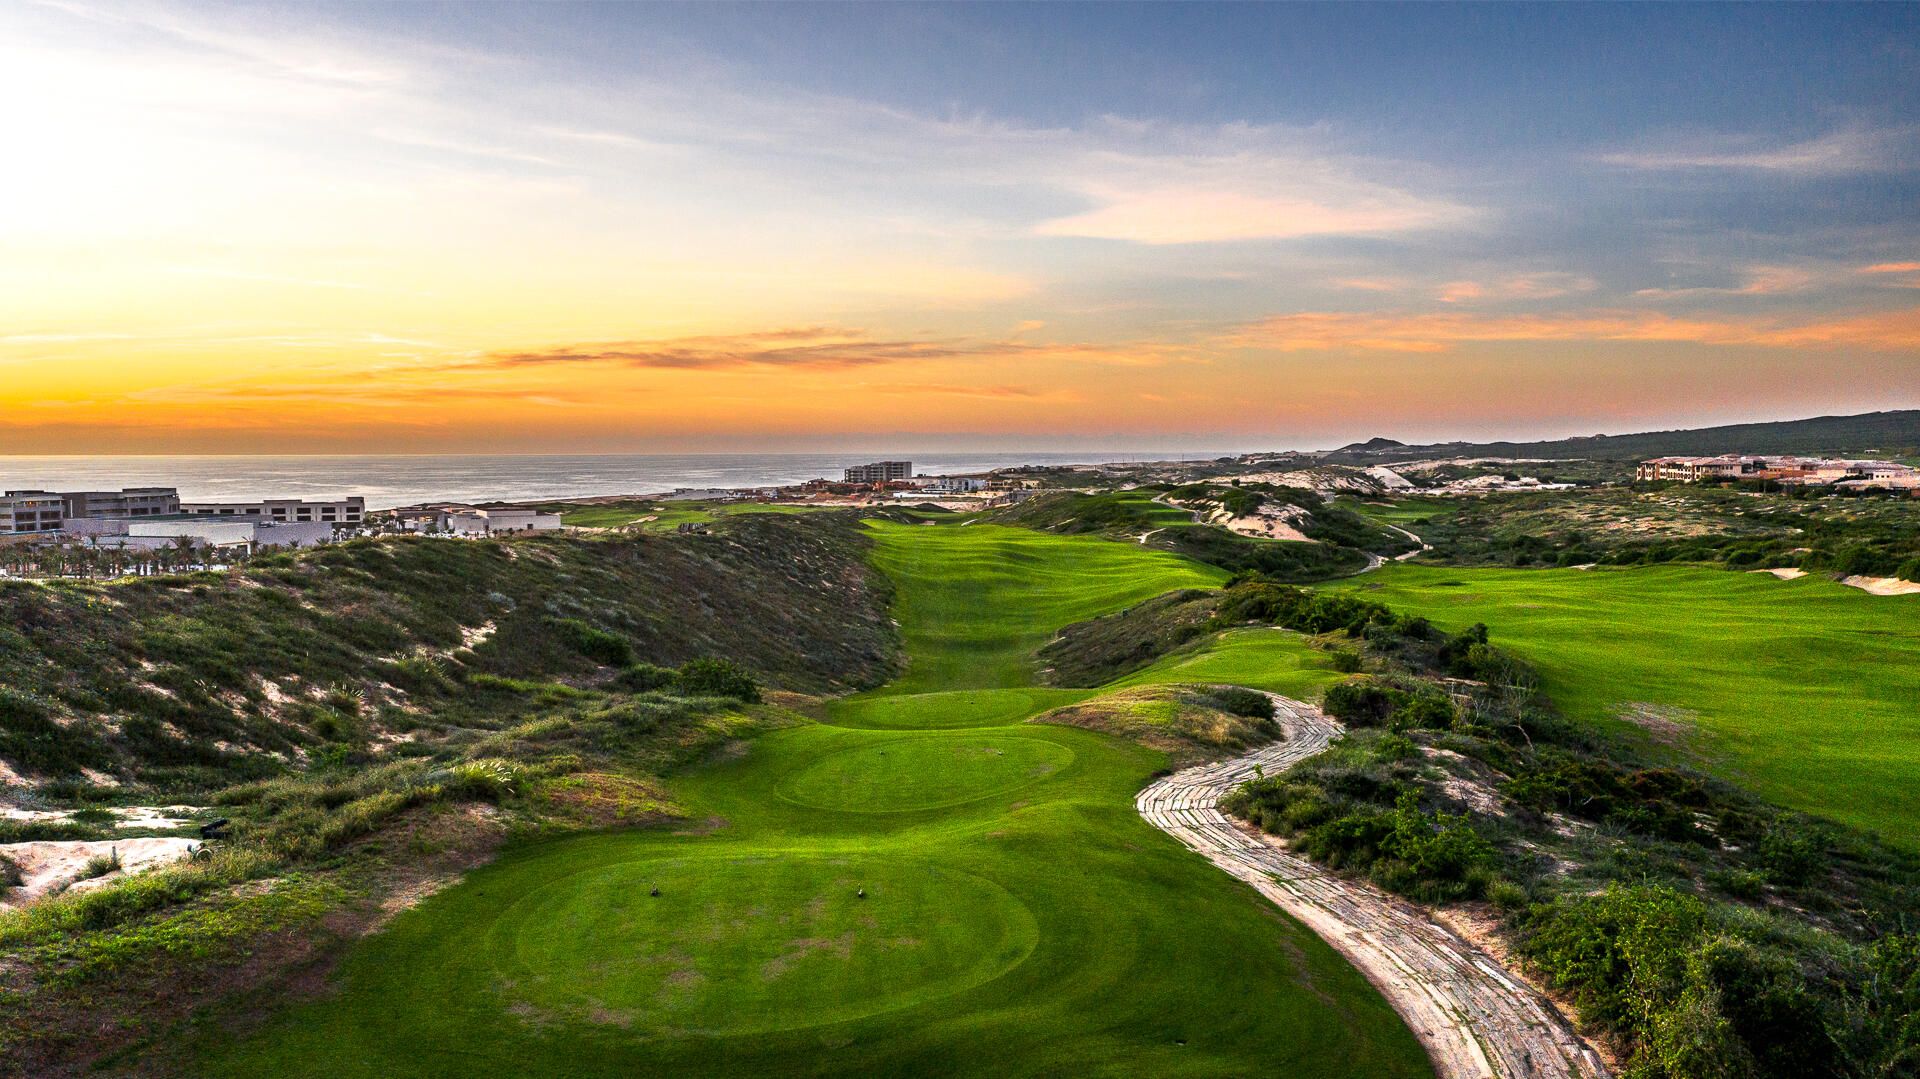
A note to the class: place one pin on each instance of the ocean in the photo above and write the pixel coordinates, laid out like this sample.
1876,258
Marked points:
400,480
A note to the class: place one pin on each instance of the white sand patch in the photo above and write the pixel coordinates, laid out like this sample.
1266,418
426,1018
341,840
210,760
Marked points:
1259,524
54,866
155,816
124,816
471,636
1785,573
32,816
1882,586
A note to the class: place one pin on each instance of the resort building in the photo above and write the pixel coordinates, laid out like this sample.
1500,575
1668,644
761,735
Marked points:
954,485
703,494
1784,468
468,521
131,502
31,511
343,513
156,533
880,472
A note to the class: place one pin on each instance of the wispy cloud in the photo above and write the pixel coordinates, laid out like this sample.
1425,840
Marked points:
1546,285
986,391
825,348
1168,184
814,347
1847,150
1314,331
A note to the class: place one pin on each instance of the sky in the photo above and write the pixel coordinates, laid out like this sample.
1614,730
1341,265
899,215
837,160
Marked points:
313,228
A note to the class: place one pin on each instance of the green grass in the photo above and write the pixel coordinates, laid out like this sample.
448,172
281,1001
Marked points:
1803,690
1018,917
984,597
1401,511
1275,660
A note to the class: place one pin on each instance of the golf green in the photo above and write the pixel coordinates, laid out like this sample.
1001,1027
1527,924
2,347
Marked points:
780,941
1805,690
925,884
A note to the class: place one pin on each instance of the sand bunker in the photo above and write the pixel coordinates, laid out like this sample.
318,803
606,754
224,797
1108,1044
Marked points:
1882,586
53,866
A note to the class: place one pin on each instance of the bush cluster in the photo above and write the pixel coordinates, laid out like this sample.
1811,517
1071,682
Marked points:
707,677
1709,934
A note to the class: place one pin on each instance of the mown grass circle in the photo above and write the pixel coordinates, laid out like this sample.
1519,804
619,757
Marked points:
752,944
903,775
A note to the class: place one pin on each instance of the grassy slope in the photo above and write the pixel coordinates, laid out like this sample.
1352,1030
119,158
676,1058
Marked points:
1136,516
1019,918
1803,689
163,679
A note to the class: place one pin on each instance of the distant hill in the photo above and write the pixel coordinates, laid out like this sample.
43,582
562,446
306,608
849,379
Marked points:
1886,432
1372,445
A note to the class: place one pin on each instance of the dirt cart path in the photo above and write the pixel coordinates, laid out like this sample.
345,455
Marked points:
1476,1020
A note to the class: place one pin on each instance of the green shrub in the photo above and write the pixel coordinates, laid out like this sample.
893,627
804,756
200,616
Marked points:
718,678
1427,710
642,677
101,864
1791,853
487,780
1240,702
1346,660
606,649
1396,747
1361,702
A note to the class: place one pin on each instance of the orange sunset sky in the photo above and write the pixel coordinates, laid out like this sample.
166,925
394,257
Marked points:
492,228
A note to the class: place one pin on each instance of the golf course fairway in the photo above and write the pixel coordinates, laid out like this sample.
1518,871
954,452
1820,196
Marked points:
924,884
1803,690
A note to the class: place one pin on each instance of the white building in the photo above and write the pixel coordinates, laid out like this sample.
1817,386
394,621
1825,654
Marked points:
154,533
467,521
703,494
341,513
954,485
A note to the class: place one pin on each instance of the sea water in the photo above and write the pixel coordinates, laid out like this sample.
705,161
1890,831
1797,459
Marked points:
386,481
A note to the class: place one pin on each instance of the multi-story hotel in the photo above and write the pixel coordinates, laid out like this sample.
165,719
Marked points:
132,502
30,511
344,513
880,472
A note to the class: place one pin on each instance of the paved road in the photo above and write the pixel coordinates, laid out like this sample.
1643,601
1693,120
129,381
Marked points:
1476,1020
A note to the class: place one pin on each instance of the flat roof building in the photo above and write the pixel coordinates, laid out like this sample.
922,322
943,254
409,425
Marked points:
341,513
470,521
1784,468
880,472
31,511
153,533
131,502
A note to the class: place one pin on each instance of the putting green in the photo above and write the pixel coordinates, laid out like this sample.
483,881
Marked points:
1020,917
753,944
924,773
946,711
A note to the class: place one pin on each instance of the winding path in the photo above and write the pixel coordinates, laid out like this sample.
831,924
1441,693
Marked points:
1475,1020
